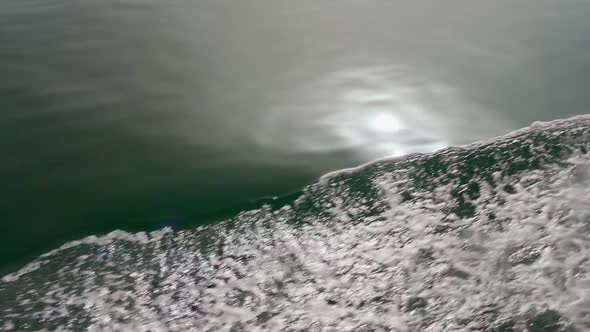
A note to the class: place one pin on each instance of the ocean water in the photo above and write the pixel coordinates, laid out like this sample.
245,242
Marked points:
167,165
487,237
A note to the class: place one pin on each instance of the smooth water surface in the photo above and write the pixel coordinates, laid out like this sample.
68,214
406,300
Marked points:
127,114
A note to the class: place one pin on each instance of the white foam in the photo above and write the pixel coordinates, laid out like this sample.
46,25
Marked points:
363,263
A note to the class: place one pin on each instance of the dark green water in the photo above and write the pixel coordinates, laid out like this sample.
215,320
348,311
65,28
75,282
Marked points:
123,114
493,236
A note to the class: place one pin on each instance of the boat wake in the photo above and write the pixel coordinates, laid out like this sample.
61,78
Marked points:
494,236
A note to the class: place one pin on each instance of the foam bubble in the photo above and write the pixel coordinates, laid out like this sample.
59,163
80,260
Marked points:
489,237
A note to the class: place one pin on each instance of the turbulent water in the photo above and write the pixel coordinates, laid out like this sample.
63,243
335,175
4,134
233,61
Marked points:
131,114
494,236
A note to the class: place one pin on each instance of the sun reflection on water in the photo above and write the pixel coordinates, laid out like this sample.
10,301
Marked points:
375,112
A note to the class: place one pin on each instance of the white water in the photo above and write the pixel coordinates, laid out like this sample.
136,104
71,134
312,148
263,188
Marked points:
358,264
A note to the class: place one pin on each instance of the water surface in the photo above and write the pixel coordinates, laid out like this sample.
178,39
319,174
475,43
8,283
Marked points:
122,114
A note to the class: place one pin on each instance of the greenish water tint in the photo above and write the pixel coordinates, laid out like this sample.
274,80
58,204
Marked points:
134,115
493,236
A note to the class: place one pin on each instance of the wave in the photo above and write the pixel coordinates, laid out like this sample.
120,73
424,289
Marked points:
492,236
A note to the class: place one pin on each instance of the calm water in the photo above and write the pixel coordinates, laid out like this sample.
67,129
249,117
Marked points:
125,114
